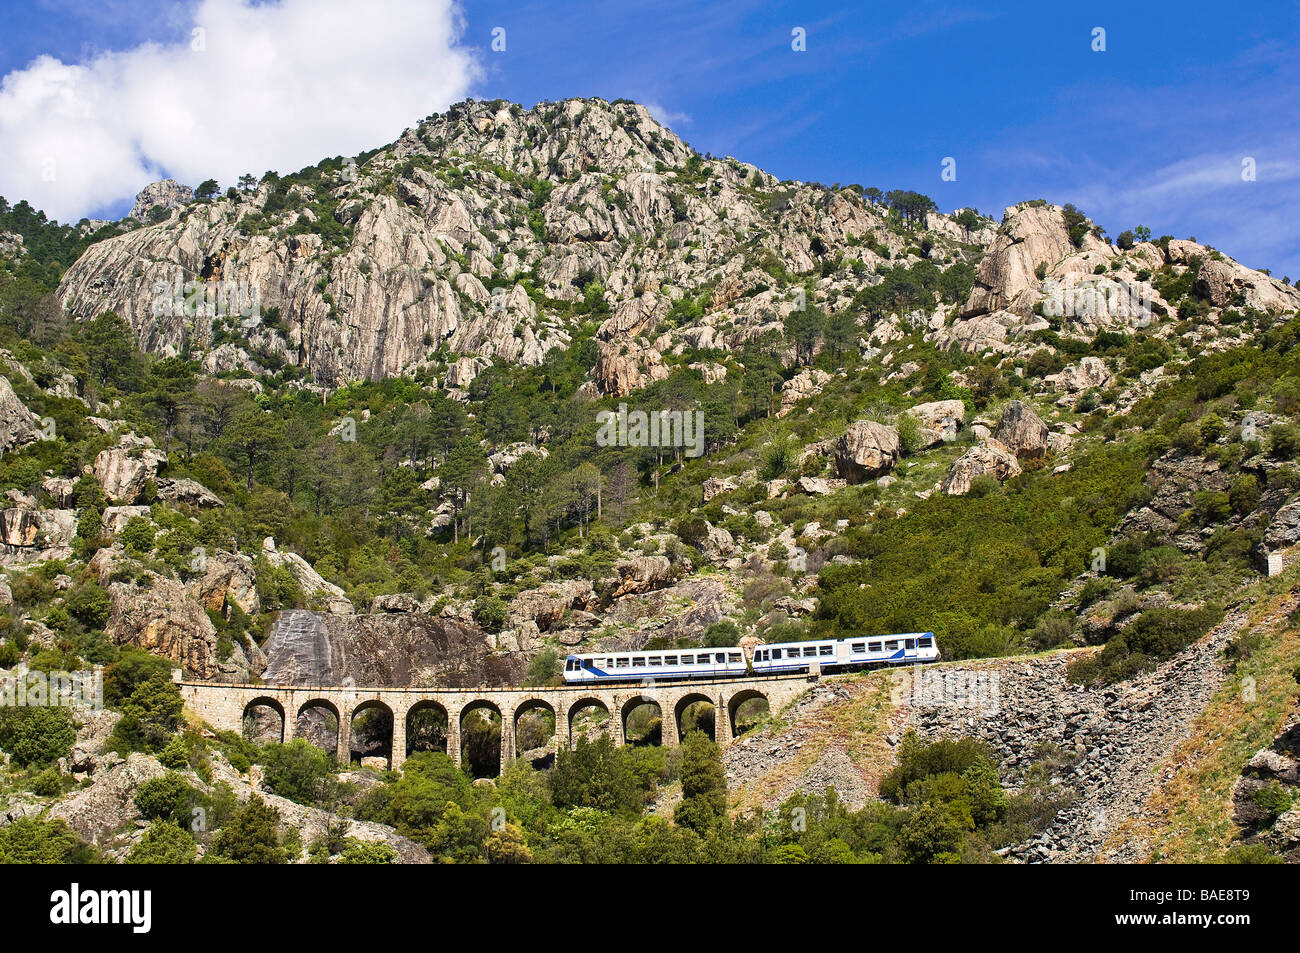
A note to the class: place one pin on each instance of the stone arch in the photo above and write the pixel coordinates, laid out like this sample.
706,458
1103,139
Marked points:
481,747
580,705
428,727
312,722
745,699
645,729
373,736
532,716
253,726
685,722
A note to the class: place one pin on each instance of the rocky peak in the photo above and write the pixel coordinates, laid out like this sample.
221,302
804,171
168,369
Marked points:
166,194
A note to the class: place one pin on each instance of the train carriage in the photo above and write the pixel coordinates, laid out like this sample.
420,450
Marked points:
775,659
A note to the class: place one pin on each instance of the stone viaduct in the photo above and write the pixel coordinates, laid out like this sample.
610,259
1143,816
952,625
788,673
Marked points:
224,706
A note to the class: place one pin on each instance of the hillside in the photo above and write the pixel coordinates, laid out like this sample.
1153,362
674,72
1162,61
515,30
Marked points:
381,458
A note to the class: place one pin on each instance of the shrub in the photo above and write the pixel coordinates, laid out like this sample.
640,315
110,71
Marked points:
1284,441
298,771
252,835
137,536
36,734
491,613
150,716
164,843
167,797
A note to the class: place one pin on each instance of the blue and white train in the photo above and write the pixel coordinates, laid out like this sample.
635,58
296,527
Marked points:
782,658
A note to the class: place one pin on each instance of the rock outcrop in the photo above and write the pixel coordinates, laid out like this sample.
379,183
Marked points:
547,605
1033,238
642,574
1088,373
124,470
159,617
28,534
18,425
165,195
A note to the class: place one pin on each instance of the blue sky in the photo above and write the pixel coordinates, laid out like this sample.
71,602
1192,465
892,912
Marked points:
1153,130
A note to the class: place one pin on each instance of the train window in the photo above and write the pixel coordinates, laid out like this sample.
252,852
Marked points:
638,661
733,656
776,653
875,646
670,659
621,663
925,643
720,657
810,651
570,665
656,660
891,646
911,643
859,646
826,650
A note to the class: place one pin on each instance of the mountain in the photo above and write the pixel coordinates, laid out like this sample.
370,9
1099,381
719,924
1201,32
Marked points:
377,420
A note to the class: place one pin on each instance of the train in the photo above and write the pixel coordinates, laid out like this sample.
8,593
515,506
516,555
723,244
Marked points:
780,658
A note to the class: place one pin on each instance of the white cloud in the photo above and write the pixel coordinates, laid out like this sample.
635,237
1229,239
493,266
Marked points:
260,86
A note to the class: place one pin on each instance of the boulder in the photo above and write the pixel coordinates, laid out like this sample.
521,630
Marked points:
1284,530
866,450
61,491
939,421
116,517
312,584
1023,432
30,534
717,543
989,457
395,602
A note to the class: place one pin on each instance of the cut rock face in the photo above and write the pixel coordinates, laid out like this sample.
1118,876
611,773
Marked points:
867,450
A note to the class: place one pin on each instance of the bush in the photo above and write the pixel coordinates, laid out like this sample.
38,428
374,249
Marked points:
1284,441
164,843
36,734
491,613
298,771
137,536
150,716
721,634
252,835
168,797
